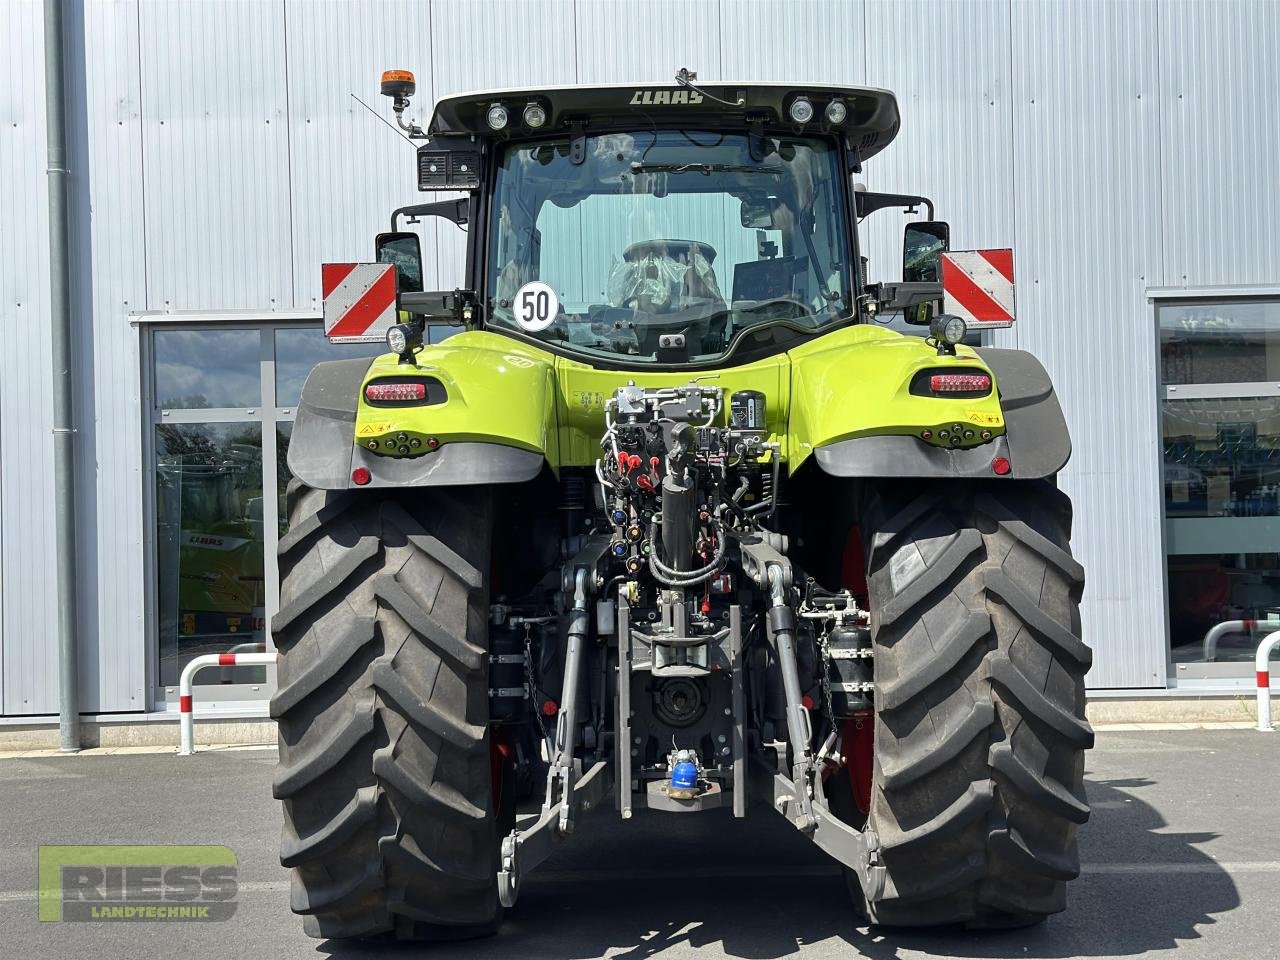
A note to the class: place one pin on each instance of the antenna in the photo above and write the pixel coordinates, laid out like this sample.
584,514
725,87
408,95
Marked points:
685,78
383,119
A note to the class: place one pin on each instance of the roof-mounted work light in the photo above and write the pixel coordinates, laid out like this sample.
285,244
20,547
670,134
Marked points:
801,110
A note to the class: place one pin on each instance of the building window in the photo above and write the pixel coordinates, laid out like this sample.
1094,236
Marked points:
1220,424
222,403
216,392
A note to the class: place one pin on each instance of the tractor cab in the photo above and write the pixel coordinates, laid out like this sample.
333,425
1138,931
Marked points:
666,225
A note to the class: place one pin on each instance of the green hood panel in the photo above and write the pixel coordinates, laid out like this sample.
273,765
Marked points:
497,390
853,382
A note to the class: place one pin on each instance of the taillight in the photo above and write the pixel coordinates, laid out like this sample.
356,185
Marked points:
392,392
959,382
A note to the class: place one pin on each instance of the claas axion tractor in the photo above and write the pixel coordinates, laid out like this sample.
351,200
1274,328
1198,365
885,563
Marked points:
673,523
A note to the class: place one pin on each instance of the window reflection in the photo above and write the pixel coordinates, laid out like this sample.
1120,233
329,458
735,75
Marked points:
1222,457
198,369
1220,342
1208,589
301,348
209,537
283,432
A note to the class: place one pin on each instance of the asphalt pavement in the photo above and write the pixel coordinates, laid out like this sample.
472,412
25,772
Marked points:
1183,852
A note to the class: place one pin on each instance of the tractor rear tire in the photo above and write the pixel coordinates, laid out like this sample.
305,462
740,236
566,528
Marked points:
385,769
980,730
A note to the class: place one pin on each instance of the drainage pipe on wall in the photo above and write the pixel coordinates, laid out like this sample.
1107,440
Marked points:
60,339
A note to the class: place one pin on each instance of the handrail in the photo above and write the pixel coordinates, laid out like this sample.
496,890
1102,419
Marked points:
1233,626
186,717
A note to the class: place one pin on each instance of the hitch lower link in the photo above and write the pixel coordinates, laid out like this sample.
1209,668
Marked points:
568,793
796,792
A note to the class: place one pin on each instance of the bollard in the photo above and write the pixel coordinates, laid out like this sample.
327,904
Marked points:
186,718
1263,664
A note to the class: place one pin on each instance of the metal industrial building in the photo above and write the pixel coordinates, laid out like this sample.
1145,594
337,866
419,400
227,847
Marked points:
1128,150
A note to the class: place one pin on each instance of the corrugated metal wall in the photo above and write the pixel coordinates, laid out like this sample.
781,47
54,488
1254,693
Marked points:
28,676
111,232
219,158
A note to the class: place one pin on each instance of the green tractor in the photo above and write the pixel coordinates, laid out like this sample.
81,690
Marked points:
673,523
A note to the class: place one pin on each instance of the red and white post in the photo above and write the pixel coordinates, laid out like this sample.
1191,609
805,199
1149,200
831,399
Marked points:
1263,665
186,717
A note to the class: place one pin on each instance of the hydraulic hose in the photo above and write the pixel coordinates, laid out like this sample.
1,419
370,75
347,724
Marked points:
683,578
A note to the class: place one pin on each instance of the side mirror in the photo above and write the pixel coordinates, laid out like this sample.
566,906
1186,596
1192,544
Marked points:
757,214
923,244
405,251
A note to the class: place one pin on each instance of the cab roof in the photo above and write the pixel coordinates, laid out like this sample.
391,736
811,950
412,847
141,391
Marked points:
870,126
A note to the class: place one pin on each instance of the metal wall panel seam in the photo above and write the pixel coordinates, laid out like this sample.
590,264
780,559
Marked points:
1160,170
288,147
114,623
142,164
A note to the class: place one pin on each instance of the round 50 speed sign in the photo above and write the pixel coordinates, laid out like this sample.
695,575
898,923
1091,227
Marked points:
536,306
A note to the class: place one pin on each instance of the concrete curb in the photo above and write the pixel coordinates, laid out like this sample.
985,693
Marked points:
160,733
229,735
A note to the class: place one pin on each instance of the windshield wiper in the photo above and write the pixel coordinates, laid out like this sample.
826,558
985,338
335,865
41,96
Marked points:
706,169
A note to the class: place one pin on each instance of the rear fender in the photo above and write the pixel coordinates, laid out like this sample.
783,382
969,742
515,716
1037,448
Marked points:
493,423
1035,440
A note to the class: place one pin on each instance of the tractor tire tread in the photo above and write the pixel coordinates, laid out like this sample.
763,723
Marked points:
384,772
980,731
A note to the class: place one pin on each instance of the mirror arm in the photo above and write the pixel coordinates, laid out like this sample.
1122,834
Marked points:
457,211
450,306
868,202
891,297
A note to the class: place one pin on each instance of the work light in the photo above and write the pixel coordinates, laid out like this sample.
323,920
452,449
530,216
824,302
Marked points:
801,110
534,115
948,329
836,112
397,339
496,117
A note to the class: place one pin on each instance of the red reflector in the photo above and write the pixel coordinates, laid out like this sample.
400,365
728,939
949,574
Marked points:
360,476
1001,466
959,382
395,391
226,659
184,703
549,708
1264,679
807,701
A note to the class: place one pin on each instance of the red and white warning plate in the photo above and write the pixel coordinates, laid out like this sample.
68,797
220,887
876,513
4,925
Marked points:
359,301
977,285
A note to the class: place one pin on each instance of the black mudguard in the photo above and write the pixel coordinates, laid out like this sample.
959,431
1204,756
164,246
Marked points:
322,450
1036,441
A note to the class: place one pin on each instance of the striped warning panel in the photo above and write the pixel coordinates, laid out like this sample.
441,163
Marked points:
359,301
978,286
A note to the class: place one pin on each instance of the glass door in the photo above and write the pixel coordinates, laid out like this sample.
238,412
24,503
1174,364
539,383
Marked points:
1220,425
